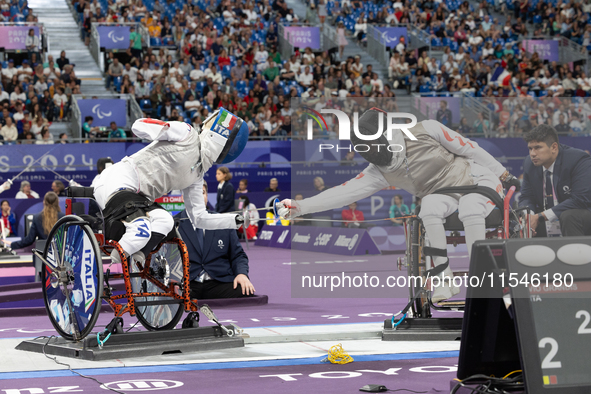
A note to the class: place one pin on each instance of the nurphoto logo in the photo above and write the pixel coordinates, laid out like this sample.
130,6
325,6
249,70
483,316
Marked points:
386,126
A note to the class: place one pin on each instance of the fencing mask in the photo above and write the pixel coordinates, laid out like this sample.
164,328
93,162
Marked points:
374,151
223,137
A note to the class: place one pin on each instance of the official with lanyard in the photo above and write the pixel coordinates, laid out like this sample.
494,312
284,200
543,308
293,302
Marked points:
556,185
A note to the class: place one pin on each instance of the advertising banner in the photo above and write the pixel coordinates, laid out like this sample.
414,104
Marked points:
390,36
302,37
547,49
15,37
104,111
114,37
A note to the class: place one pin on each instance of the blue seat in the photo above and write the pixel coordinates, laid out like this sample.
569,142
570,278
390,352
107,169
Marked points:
200,86
145,104
425,89
226,72
241,85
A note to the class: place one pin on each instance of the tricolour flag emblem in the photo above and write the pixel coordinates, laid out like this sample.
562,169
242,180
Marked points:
227,120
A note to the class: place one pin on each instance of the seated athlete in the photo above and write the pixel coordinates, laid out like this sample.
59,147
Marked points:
177,159
438,158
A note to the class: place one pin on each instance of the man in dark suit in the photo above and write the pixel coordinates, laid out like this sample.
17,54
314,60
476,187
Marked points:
556,184
219,266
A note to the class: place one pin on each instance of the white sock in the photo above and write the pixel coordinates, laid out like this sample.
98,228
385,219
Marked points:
436,234
474,230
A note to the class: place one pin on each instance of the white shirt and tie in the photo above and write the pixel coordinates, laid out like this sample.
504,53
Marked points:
548,212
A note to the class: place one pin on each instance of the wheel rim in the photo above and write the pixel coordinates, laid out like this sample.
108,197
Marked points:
166,264
72,286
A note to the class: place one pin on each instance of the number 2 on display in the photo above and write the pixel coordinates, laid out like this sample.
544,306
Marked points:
584,328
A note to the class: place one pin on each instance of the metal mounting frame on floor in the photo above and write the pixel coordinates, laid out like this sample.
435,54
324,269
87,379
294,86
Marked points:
424,329
137,344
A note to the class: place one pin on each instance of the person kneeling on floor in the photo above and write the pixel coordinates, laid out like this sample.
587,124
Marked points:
219,266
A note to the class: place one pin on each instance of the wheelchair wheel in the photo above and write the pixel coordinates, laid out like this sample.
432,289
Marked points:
417,242
163,313
73,281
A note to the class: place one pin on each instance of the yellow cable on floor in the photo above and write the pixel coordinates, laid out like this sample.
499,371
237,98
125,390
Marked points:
337,355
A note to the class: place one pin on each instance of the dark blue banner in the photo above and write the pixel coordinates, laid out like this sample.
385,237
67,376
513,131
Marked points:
114,37
104,111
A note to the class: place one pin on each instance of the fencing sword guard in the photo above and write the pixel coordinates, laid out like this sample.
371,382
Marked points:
275,202
246,215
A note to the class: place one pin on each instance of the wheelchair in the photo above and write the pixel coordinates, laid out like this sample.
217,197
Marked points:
501,223
75,281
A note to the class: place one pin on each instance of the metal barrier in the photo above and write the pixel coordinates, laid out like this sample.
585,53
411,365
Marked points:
379,51
144,33
132,113
418,38
95,46
76,118
471,107
135,112
285,47
375,46
330,37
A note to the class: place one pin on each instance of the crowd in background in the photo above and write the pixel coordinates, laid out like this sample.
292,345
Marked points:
210,54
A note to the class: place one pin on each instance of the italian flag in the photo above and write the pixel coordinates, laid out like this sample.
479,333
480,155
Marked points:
227,120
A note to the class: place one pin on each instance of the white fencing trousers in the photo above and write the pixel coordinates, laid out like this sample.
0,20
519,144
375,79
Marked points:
138,232
113,178
472,209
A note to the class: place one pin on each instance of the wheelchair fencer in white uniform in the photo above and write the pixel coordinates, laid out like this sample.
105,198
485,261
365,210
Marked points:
439,158
177,159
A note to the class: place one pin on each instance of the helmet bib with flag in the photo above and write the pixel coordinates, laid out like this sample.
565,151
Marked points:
232,128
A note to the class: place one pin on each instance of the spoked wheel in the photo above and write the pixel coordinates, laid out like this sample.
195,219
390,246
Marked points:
160,313
73,278
417,242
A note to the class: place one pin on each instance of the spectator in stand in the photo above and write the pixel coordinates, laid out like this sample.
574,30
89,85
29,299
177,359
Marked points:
116,134
46,137
444,114
58,188
353,217
88,131
9,131
32,43
273,186
242,186
26,192
135,43
319,185
63,60
9,220
252,230
115,70
398,209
